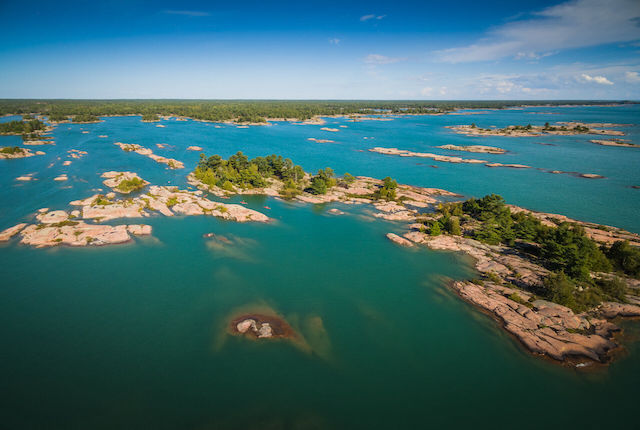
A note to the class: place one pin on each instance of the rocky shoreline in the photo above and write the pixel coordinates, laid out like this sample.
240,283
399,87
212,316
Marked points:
544,328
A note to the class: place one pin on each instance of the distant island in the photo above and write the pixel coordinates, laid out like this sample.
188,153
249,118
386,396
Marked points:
562,128
253,111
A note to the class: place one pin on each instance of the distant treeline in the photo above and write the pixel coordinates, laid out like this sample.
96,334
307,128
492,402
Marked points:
251,110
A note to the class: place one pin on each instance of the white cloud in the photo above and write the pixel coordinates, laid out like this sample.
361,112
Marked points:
371,16
334,41
426,91
595,79
633,77
573,24
186,12
511,86
430,91
381,59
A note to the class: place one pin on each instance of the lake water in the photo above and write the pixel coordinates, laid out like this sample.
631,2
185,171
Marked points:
133,336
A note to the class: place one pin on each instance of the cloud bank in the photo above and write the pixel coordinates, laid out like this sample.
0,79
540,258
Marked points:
574,24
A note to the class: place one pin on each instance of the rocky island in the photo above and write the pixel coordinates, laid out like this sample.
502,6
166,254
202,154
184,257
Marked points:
123,182
561,128
278,177
258,326
436,157
474,148
11,152
615,142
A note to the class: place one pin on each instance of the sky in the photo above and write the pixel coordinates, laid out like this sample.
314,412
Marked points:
409,50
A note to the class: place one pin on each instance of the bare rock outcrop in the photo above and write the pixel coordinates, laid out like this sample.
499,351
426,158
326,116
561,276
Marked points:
134,147
399,240
11,231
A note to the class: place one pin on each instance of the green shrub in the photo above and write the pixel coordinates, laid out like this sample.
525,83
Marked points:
452,226
494,278
348,178
625,258
387,191
129,185
615,288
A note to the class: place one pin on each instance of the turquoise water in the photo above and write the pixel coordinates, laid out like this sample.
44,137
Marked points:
133,336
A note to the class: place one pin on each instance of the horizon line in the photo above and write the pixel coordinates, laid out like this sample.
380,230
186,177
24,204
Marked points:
327,100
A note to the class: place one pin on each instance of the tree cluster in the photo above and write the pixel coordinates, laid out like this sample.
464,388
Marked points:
239,171
564,249
322,182
387,191
21,127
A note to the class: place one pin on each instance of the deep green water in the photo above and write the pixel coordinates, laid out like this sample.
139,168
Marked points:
133,336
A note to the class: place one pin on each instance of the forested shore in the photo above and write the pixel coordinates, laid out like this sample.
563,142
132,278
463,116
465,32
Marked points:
254,110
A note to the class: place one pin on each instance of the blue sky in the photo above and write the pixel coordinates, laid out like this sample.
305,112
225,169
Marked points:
580,49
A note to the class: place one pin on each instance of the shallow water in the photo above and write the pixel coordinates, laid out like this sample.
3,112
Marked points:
134,336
